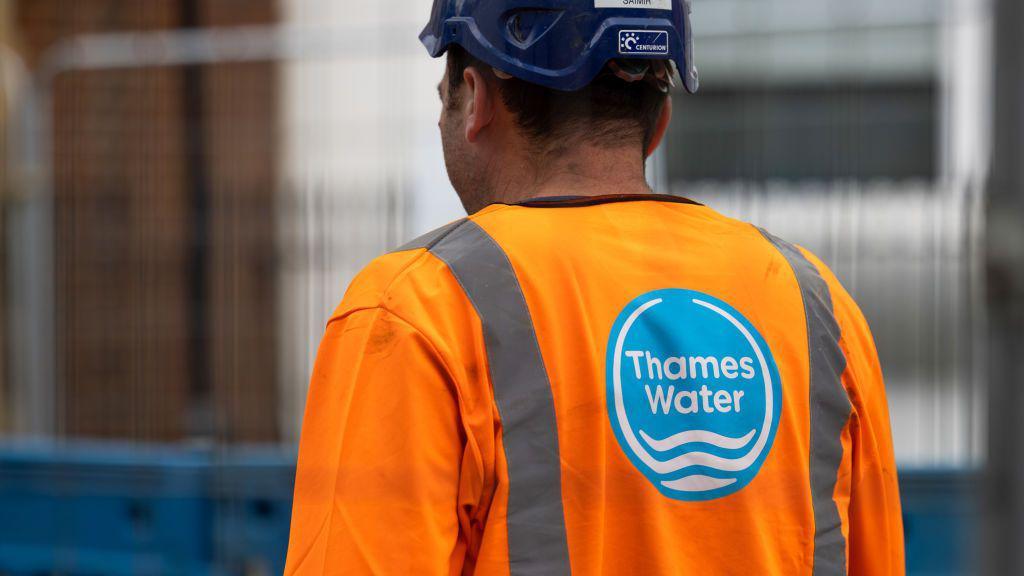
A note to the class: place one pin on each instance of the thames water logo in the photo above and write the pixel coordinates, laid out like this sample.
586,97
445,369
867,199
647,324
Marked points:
693,393
643,42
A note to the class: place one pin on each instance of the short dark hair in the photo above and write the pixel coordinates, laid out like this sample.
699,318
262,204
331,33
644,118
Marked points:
606,110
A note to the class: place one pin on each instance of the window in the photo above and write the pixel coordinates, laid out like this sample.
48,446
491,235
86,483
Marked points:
863,131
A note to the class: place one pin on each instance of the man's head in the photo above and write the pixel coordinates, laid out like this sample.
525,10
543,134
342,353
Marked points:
555,97
493,127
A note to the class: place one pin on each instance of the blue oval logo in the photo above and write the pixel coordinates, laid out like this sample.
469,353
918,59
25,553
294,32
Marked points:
693,393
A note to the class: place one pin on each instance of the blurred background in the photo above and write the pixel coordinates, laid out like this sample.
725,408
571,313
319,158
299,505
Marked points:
189,185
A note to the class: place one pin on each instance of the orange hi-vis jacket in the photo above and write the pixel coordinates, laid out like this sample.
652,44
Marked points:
606,386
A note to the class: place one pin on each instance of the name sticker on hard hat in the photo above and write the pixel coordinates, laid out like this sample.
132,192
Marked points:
643,42
693,393
648,4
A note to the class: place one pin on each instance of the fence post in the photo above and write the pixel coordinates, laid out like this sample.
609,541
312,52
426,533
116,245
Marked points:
1004,494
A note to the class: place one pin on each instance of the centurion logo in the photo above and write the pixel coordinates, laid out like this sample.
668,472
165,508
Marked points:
645,42
693,393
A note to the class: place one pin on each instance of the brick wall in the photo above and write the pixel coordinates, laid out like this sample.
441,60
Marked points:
163,181
6,39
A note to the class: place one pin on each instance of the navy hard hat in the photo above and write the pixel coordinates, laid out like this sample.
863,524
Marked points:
564,44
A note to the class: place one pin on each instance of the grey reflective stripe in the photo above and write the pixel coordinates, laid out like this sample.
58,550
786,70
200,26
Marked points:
430,238
537,543
830,409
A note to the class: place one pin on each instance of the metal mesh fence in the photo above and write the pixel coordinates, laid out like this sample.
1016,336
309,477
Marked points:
213,193
190,186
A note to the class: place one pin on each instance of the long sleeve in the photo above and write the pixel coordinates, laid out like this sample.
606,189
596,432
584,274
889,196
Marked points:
377,481
875,545
876,524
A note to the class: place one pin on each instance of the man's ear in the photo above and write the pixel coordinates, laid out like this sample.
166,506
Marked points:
661,127
481,103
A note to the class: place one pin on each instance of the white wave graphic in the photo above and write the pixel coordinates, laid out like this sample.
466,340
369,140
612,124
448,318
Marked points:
698,436
698,483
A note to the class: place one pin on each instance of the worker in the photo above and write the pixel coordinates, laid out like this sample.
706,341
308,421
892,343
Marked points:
584,377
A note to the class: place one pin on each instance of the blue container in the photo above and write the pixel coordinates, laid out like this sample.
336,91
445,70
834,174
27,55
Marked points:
252,492
940,520
103,510
91,509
